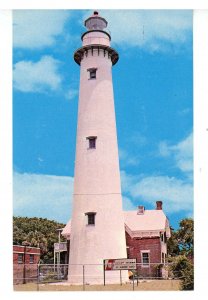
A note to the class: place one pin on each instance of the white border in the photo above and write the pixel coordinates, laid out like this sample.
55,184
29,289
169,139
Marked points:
200,141
200,146
122,4
6,258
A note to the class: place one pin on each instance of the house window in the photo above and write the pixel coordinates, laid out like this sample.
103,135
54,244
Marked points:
20,258
145,259
31,258
165,237
92,72
90,218
92,142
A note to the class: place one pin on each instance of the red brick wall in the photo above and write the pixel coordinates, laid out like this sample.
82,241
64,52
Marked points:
136,245
25,272
19,248
152,244
28,250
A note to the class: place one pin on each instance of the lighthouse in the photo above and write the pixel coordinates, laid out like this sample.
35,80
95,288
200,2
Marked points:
97,224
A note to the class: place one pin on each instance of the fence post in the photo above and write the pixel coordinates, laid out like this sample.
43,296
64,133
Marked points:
83,269
133,281
120,278
137,277
54,260
38,277
24,267
104,272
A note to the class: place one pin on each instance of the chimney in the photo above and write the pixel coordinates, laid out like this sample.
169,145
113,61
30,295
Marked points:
140,210
159,205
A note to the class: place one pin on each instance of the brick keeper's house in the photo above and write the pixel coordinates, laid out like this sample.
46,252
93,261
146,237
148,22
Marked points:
147,232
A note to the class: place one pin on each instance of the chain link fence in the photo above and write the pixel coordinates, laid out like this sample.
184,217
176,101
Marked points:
43,275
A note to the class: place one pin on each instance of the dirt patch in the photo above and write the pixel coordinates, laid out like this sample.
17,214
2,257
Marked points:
153,285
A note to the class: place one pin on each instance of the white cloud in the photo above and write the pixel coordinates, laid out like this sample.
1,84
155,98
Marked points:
37,76
137,139
164,149
71,94
148,28
176,194
38,28
46,196
127,159
127,204
127,181
182,153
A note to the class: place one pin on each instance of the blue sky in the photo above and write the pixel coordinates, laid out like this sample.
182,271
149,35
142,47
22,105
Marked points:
153,88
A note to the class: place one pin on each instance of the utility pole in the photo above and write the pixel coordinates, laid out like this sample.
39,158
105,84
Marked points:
59,253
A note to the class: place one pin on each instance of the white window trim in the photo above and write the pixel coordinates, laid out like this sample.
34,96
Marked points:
165,256
145,265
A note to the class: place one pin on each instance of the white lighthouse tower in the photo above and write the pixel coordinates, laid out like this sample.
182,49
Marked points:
97,225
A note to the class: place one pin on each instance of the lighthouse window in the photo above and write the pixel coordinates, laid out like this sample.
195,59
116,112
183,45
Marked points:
92,72
90,218
92,142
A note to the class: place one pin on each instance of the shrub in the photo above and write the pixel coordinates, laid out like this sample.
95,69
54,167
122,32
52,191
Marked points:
183,269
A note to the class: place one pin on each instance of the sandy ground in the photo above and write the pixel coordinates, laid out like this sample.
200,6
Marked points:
153,285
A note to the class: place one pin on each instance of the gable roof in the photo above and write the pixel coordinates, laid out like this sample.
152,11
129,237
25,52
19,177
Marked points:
67,230
150,220
151,223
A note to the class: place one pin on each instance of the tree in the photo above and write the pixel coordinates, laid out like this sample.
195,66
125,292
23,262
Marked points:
183,269
37,232
180,250
182,240
185,237
172,243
